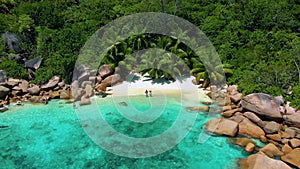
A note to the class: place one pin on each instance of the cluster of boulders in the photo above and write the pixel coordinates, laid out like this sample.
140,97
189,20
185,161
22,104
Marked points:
263,117
87,83
18,90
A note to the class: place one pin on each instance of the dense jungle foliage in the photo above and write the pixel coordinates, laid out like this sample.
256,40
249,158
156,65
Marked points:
257,40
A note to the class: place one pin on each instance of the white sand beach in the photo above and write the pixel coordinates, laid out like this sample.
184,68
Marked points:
137,85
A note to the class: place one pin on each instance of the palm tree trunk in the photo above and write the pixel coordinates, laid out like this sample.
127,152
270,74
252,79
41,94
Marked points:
162,6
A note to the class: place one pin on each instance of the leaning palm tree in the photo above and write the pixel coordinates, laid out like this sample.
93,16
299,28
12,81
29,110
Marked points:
158,63
207,72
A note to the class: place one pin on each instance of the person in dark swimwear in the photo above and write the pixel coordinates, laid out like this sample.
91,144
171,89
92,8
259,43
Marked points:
146,92
150,93
74,106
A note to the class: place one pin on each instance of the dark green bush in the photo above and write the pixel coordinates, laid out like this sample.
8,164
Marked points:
13,69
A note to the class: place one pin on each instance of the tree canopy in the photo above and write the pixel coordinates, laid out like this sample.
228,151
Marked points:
257,41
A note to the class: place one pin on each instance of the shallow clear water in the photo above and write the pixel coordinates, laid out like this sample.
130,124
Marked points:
51,136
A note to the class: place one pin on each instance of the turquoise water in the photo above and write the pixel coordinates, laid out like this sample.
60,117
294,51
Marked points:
51,136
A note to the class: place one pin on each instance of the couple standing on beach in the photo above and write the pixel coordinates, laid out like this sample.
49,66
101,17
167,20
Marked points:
150,93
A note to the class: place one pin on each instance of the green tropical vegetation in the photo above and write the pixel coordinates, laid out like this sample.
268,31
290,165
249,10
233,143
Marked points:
257,41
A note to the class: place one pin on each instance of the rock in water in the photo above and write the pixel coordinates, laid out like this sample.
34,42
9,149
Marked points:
250,147
222,127
84,101
199,108
123,104
241,141
260,161
263,105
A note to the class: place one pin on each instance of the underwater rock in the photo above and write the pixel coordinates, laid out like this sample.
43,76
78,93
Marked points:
2,126
198,108
123,104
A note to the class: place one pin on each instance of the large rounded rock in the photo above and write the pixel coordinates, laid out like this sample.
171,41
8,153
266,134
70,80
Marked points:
84,101
105,71
295,143
288,133
54,94
247,128
64,94
263,105
251,116
286,149
250,147
236,98
51,83
232,89
292,157
230,113
3,92
237,118
111,80
275,137
24,86
271,127
292,119
271,150
222,127
288,109
12,82
34,90
260,161
88,90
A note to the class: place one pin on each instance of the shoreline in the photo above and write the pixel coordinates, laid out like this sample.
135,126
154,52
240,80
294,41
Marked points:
239,122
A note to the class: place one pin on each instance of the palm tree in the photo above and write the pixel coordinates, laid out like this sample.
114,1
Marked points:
208,72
